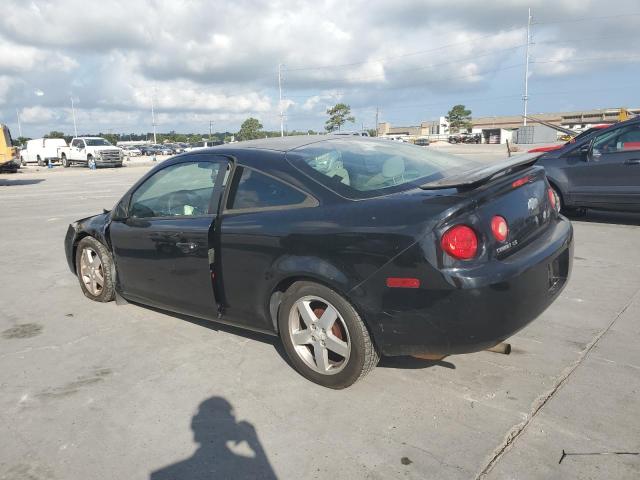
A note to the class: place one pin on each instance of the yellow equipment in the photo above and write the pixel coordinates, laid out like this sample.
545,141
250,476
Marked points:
8,153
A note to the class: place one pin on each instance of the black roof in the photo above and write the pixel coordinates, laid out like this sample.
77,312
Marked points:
280,144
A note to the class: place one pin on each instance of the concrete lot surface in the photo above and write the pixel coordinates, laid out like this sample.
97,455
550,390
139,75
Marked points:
100,391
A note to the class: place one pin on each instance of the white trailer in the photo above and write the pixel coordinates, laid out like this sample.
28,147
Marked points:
42,150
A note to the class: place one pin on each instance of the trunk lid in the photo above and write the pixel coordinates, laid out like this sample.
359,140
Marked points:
523,201
520,196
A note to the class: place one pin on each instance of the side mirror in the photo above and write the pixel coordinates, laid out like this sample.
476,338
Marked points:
582,152
119,212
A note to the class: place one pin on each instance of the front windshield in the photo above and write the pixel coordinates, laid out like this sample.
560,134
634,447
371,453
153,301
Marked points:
361,168
96,142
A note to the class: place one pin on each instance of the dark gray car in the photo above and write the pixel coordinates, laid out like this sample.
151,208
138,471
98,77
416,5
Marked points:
600,171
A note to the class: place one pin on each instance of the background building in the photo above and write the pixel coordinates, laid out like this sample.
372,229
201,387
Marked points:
499,129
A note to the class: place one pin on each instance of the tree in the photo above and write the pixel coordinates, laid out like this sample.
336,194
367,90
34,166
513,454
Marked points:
54,134
251,128
459,118
338,115
20,141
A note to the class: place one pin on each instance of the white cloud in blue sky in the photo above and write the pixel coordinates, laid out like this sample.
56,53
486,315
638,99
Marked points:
205,60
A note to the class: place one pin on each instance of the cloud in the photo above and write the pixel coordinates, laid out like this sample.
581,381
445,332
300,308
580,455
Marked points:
202,60
38,115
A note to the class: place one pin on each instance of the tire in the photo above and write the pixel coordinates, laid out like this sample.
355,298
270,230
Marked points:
65,162
358,353
40,161
91,162
563,209
22,162
89,273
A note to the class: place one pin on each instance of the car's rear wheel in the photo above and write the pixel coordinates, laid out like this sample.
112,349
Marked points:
324,337
94,267
40,161
65,162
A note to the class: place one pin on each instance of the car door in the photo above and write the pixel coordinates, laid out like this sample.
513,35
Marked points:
76,149
610,176
254,226
163,248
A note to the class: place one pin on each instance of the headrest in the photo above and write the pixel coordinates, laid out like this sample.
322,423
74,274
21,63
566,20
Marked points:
393,167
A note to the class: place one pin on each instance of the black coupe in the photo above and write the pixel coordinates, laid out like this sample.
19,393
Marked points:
347,248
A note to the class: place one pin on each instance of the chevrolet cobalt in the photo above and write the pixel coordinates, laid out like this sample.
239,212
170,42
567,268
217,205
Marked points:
348,248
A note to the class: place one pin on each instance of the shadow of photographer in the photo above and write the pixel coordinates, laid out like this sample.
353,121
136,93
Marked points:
227,448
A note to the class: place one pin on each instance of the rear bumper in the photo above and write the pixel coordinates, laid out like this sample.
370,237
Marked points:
468,311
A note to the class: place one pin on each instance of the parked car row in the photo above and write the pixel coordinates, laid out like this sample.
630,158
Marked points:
90,151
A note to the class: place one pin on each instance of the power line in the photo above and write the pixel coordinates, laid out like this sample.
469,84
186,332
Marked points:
419,52
588,19
434,65
590,59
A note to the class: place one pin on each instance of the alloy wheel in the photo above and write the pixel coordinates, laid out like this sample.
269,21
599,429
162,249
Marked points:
91,271
319,335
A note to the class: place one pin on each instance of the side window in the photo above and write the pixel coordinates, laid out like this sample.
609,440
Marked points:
74,143
183,189
619,140
257,190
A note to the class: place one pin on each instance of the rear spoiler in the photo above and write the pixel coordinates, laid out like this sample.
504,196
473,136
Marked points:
476,177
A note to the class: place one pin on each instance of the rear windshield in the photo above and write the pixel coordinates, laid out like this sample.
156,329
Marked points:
364,168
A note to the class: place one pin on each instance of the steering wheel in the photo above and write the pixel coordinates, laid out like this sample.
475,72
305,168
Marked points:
178,200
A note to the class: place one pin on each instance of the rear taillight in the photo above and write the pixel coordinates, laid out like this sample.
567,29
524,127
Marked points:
521,181
499,228
460,242
552,198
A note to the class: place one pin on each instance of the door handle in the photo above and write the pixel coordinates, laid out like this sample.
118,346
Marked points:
633,161
187,246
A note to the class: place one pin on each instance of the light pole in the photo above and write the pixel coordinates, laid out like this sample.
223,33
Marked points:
153,120
280,104
19,126
73,114
525,97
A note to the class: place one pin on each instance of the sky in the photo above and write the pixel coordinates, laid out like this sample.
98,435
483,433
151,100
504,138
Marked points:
217,61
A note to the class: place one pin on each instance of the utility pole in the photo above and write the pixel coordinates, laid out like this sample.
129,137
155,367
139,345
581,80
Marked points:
525,97
73,113
280,90
153,120
377,113
210,128
19,126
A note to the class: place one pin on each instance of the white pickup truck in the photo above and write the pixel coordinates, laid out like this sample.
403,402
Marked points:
93,152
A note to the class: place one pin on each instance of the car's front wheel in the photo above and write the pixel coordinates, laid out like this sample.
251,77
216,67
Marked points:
94,267
324,337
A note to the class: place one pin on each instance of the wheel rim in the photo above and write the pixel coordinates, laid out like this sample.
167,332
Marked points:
319,335
558,199
92,163
91,271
